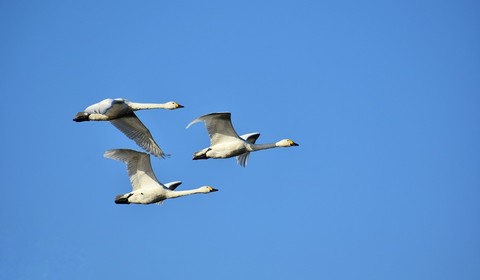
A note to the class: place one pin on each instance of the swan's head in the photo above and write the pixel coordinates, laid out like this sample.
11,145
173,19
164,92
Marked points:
207,189
286,143
172,105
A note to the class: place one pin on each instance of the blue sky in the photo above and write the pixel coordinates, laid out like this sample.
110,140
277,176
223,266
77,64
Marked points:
382,96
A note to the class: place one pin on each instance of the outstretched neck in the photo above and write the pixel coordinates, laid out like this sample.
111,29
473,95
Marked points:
145,106
257,147
175,194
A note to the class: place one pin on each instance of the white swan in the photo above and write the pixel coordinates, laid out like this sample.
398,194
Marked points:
120,112
225,142
146,187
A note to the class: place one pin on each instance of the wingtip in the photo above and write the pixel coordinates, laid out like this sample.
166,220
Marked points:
206,117
109,153
192,122
173,185
162,155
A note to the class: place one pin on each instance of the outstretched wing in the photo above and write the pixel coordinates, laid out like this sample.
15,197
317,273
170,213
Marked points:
250,138
134,129
139,167
219,127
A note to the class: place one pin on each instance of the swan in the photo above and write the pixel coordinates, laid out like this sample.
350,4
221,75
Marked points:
120,112
146,187
225,142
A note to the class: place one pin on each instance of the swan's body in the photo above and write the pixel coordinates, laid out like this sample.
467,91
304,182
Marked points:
225,142
146,187
120,112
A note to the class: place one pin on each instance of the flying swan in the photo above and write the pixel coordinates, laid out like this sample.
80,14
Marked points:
225,142
146,187
120,112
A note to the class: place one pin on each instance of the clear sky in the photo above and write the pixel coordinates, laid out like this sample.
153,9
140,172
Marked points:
382,96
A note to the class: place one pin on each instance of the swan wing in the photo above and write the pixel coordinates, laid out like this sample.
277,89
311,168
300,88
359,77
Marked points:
139,167
243,159
219,127
110,107
134,129
250,138
172,185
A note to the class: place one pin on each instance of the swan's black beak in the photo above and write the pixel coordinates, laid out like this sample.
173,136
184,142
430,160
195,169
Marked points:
214,190
180,106
295,144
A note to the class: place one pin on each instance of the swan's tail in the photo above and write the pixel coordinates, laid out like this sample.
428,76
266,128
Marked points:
201,154
81,117
123,198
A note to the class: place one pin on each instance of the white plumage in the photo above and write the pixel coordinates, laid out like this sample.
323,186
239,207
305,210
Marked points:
120,112
146,188
225,142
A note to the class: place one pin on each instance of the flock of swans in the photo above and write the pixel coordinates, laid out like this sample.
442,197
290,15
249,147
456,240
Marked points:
146,188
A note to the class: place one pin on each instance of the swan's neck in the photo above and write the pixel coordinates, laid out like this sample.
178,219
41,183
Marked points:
145,106
257,147
175,194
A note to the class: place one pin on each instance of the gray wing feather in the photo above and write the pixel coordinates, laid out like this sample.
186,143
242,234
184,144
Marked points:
243,159
219,127
251,138
134,129
173,185
139,167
